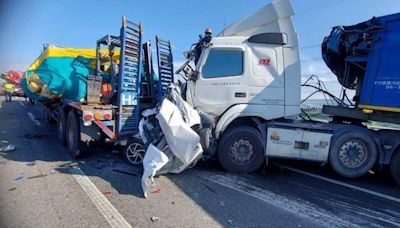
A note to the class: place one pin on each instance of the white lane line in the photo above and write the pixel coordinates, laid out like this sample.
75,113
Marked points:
381,195
296,206
32,117
113,217
21,103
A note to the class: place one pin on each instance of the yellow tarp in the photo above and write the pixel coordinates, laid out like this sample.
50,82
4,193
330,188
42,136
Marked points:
53,51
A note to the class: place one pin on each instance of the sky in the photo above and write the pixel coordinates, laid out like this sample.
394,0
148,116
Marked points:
26,24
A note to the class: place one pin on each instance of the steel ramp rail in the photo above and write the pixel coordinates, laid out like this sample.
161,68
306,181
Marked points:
165,66
129,78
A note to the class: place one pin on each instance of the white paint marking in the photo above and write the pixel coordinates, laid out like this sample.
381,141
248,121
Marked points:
34,119
381,195
300,208
21,103
113,217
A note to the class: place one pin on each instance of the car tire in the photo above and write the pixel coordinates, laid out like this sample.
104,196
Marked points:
134,151
241,150
353,154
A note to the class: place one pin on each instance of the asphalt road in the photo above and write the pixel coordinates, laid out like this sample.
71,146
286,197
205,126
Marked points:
41,186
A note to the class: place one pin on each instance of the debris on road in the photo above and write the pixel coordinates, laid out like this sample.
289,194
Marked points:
38,176
19,178
8,148
155,219
30,163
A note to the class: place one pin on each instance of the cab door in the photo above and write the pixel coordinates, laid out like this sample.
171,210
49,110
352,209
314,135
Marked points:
221,82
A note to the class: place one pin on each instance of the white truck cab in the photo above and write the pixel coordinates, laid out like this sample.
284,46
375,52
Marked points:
251,69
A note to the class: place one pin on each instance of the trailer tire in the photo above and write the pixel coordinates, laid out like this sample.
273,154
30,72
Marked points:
241,150
76,147
61,126
353,154
395,167
134,151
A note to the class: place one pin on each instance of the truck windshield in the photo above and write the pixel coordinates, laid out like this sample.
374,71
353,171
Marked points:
223,63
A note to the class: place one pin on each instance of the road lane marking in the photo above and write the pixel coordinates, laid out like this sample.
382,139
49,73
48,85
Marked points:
32,117
113,217
21,103
300,208
381,195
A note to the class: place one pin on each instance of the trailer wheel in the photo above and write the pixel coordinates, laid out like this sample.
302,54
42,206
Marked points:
353,154
241,150
395,167
76,147
61,126
134,151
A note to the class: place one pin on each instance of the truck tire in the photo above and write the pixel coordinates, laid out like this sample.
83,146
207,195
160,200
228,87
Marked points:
241,150
353,154
76,147
134,151
395,167
61,126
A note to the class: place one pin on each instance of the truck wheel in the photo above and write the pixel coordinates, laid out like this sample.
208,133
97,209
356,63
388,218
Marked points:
241,150
353,154
61,125
134,151
395,167
75,146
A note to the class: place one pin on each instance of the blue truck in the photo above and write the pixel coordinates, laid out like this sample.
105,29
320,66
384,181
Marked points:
364,57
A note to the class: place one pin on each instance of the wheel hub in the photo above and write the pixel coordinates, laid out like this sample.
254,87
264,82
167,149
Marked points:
135,153
242,151
353,153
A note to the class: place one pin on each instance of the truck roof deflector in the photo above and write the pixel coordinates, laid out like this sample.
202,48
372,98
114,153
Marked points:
271,18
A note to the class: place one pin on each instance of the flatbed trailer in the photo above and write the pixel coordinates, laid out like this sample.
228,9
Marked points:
114,118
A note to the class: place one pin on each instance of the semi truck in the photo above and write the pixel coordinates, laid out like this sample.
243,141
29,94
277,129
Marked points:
113,117
248,81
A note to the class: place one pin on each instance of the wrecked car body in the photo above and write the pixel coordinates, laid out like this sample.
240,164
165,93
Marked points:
173,144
